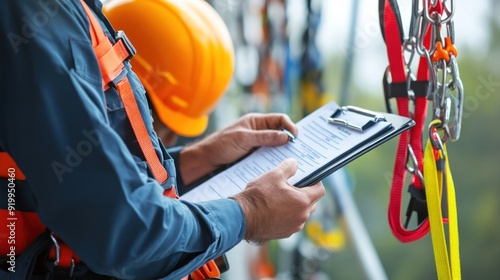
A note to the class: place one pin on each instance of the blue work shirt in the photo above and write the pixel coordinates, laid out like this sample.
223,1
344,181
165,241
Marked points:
86,176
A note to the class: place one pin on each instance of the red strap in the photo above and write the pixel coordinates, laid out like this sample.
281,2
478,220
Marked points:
393,43
414,136
6,163
21,226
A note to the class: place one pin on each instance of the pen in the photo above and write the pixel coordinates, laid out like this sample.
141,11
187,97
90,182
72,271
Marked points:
291,138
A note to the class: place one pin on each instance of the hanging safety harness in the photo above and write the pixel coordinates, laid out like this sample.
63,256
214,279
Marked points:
431,188
110,58
410,143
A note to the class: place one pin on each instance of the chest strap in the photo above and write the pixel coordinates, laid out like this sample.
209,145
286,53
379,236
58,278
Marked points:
111,57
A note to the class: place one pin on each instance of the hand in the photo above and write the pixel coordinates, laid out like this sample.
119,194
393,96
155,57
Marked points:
275,209
233,142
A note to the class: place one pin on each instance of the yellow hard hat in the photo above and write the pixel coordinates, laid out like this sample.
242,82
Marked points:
185,57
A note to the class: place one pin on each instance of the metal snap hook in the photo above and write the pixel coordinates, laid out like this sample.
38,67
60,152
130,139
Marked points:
434,137
413,168
457,100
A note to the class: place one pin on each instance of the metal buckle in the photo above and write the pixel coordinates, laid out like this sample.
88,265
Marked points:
57,248
58,256
121,36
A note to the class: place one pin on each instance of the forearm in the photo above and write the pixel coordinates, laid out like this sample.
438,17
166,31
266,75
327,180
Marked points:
194,162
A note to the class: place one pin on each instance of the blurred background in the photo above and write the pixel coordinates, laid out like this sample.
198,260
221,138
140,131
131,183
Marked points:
292,56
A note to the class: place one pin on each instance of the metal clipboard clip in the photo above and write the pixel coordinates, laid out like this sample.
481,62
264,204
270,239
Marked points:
359,126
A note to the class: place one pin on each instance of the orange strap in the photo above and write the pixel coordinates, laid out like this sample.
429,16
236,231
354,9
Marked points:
111,58
207,271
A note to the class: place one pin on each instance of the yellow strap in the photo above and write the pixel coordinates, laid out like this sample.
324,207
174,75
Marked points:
447,267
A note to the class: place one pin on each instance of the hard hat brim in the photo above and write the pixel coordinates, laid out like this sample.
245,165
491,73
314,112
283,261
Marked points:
177,122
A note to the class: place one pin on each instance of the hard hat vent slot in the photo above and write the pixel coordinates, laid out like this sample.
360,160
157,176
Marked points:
178,103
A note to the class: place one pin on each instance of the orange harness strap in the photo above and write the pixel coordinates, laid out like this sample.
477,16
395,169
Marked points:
207,271
111,59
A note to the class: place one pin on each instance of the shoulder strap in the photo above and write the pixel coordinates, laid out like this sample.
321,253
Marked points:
111,57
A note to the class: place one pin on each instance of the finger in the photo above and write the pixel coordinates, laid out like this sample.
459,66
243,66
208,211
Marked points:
289,125
275,121
257,138
315,192
288,167
313,207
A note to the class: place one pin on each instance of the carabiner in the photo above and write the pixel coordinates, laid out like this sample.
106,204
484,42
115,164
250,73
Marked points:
386,88
438,7
455,124
438,95
436,140
414,169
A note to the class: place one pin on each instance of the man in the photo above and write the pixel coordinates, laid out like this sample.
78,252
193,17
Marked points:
184,77
86,178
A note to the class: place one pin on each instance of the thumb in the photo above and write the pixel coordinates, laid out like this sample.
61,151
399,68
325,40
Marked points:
288,166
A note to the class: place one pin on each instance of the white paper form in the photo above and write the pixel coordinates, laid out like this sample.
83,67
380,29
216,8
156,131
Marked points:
318,142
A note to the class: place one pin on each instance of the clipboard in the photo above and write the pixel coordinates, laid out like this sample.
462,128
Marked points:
329,138
398,125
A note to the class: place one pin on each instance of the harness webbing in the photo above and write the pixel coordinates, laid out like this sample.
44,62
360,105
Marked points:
431,188
440,192
411,140
110,58
6,163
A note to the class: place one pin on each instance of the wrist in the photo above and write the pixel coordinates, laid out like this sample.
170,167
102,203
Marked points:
248,204
194,162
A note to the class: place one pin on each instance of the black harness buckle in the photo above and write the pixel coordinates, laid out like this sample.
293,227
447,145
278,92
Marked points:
418,204
121,36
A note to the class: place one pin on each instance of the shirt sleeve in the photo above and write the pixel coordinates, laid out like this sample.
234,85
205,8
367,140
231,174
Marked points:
89,189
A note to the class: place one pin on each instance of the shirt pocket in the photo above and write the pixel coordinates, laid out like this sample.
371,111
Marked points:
84,62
